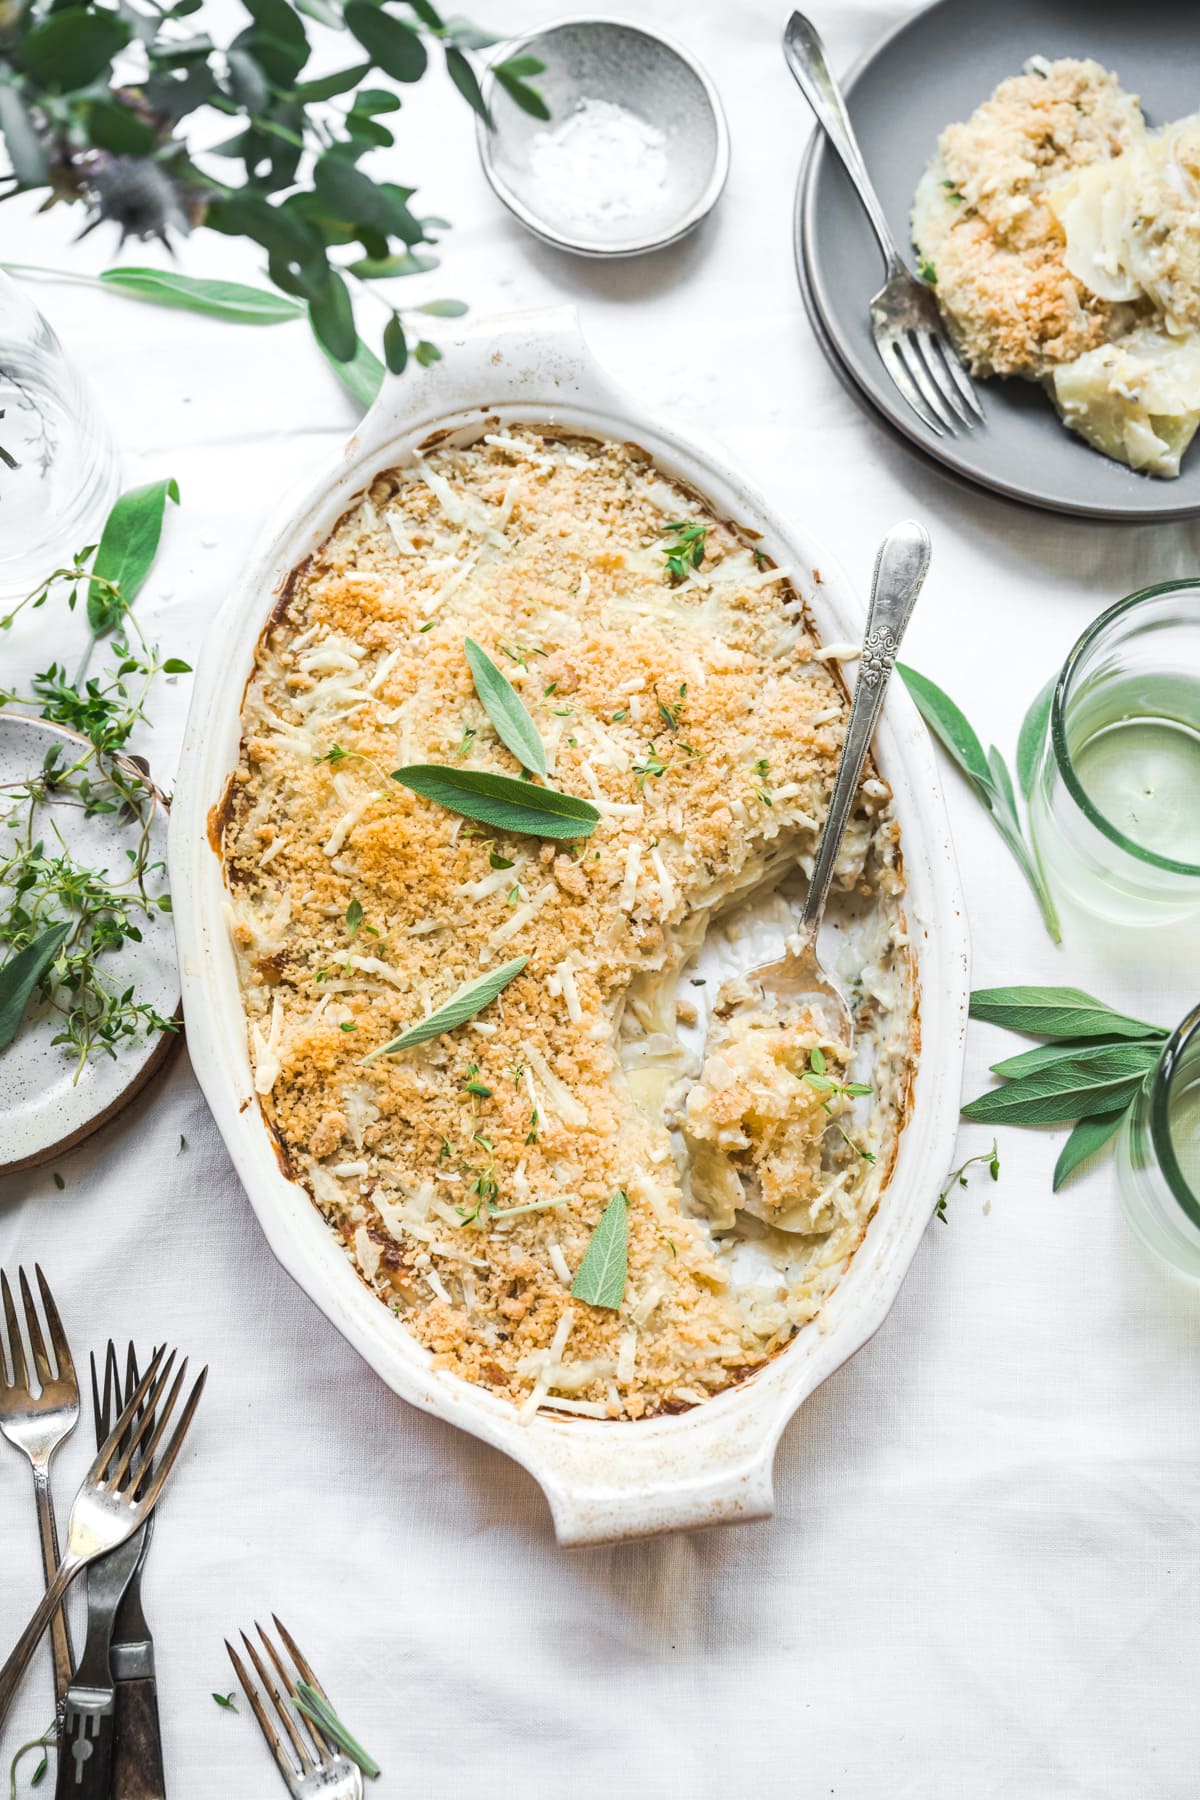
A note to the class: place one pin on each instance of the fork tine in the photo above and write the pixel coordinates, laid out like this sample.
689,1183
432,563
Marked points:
321,1745
298,1744
33,1326
937,363
144,1423
960,377
58,1337
893,362
16,1349
287,1767
293,1650
112,1442
150,1496
913,361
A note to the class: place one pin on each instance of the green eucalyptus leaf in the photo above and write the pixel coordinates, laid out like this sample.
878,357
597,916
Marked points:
1056,1012
127,548
70,50
25,152
601,1276
325,12
328,87
427,353
950,726
500,801
248,83
20,976
511,76
390,42
376,100
443,309
362,376
463,1004
404,262
505,708
395,345
118,128
1034,727
1089,1135
459,69
427,14
229,300
332,318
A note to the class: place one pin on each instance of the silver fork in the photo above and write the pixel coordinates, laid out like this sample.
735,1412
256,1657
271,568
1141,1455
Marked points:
907,326
89,1729
37,1424
115,1497
315,1766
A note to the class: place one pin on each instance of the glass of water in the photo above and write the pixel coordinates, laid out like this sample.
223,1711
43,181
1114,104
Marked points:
1116,806
1158,1153
58,462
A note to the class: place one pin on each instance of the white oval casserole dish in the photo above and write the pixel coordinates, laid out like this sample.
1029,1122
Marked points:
603,1480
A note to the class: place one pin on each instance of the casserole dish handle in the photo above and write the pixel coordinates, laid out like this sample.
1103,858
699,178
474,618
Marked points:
607,1482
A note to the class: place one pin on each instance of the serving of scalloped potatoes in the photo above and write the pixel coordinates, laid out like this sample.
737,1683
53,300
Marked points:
1062,235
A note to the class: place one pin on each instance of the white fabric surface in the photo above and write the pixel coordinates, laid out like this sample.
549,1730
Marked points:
982,1576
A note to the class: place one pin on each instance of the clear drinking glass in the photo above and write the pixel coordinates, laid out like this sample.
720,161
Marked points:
1116,807
1158,1153
57,496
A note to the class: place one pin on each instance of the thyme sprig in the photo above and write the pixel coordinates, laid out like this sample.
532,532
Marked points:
47,895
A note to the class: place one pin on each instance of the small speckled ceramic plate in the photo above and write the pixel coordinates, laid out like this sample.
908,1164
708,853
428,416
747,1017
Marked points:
935,68
652,182
46,1109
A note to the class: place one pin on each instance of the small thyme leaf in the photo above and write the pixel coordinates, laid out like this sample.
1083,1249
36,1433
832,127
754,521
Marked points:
226,1700
959,1177
687,552
354,918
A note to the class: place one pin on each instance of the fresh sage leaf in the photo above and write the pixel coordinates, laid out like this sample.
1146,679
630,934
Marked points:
462,1005
1066,1091
127,548
601,1276
1088,1136
20,976
505,708
501,801
1139,1055
229,300
949,725
388,41
1034,727
1056,1012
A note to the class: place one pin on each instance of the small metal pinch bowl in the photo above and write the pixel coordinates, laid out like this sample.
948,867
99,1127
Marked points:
636,150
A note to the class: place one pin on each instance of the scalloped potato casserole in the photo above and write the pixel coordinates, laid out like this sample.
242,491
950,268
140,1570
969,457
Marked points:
672,676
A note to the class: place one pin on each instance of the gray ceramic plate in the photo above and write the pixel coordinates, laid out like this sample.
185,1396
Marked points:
934,69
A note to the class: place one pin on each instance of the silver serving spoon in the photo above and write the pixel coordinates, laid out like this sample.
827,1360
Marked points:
799,978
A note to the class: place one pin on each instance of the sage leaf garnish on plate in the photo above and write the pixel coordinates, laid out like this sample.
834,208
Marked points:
1090,1071
501,801
600,1278
20,976
505,708
989,776
314,1706
469,999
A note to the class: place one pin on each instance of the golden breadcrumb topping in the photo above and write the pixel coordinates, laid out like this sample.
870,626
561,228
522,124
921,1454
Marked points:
687,701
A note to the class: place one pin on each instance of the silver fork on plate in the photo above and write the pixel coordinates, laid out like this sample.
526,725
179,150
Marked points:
93,1720
315,1766
114,1498
37,1424
905,320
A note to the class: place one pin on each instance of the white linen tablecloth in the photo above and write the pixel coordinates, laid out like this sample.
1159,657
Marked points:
982,1575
